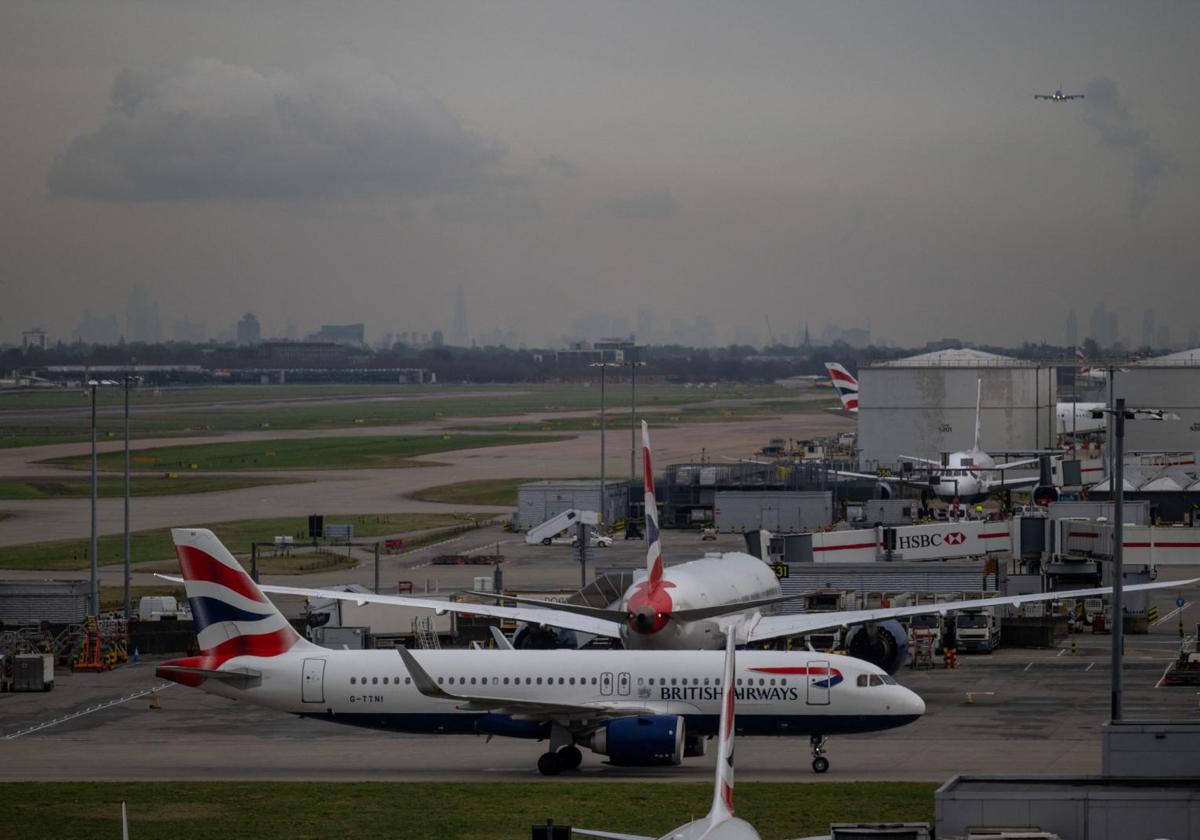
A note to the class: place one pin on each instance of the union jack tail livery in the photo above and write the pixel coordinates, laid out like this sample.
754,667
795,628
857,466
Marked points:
722,805
233,617
845,384
654,563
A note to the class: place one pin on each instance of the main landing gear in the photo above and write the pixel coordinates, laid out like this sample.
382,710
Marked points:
819,763
553,763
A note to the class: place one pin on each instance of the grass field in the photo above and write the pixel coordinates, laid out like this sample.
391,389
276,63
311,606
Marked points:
488,491
300,453
424,811
36,418
140,485
155,544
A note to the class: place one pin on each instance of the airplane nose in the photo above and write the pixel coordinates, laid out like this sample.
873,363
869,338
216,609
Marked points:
913,703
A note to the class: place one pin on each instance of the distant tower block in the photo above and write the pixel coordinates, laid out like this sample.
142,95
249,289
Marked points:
460,336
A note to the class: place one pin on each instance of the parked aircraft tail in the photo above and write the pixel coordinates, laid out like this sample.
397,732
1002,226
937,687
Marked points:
654,561
232,615
845,385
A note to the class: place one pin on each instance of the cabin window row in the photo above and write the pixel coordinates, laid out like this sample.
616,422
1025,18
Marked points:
378,680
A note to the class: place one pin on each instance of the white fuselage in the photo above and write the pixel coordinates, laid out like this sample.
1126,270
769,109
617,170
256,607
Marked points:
1076,417
729,578
780,693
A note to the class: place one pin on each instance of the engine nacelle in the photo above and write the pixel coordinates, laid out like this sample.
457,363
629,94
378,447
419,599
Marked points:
535,637
884,644
507,727
643,741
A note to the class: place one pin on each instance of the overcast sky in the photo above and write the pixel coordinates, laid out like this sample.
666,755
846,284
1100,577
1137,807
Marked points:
865,164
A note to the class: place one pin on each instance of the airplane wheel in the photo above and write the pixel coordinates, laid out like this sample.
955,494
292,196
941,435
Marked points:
550,764
820,764
571,757
546,541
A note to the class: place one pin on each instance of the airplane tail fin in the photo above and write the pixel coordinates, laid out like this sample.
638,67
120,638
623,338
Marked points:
722,804
232,616
654,562
1081,362
845,385
978,406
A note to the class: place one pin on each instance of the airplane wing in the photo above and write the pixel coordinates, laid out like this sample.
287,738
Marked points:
1016,483
1042,96
937,464
773,626
577,609
428,686
1074,96
610,835
1011,465
530,615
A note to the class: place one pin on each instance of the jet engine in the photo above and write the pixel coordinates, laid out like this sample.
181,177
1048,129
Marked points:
881,643
534,637
642,741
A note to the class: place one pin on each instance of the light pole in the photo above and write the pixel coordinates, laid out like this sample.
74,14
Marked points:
630,528
94,589
603,429
1116,416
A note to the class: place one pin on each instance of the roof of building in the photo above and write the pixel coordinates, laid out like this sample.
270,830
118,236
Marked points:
958,357
1183,358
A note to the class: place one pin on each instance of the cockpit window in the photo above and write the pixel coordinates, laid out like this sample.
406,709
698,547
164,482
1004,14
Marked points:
876,680
888,680
862,681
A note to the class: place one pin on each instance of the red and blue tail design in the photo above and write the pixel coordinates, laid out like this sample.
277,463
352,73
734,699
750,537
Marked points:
722,804
845,384
654,562
233,617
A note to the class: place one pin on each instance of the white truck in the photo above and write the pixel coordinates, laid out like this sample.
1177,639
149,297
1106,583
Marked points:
978,630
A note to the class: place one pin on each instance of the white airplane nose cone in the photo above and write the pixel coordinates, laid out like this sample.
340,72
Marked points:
913,703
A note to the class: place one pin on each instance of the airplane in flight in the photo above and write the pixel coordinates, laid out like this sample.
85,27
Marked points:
638,708
1058,96
720,822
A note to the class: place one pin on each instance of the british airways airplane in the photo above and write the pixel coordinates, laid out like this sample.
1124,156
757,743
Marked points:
638,708
1058,96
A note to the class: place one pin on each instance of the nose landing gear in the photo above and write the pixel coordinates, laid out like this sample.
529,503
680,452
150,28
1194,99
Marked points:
819,763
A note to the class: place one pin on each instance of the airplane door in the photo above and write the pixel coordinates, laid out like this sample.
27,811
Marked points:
623,682
606,683
819,676
312,687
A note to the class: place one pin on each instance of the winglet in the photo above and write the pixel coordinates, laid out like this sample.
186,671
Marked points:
502,642
722,804
425,684
124,822
654,562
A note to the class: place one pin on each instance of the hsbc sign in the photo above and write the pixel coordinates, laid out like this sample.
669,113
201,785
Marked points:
910,541
951,539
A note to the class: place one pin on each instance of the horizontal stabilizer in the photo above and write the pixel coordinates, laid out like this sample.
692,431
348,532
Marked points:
238,676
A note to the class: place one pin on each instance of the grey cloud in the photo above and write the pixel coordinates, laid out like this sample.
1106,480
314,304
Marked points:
559,166
1106,114
216,130
644,204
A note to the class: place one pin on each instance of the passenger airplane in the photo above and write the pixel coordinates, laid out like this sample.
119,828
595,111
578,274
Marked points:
639,708
1058,96
720,823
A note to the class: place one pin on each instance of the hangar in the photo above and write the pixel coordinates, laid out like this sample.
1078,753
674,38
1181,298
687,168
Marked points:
924,406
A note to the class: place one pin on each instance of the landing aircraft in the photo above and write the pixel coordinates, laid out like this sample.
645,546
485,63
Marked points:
1058,96
638,708
720,822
